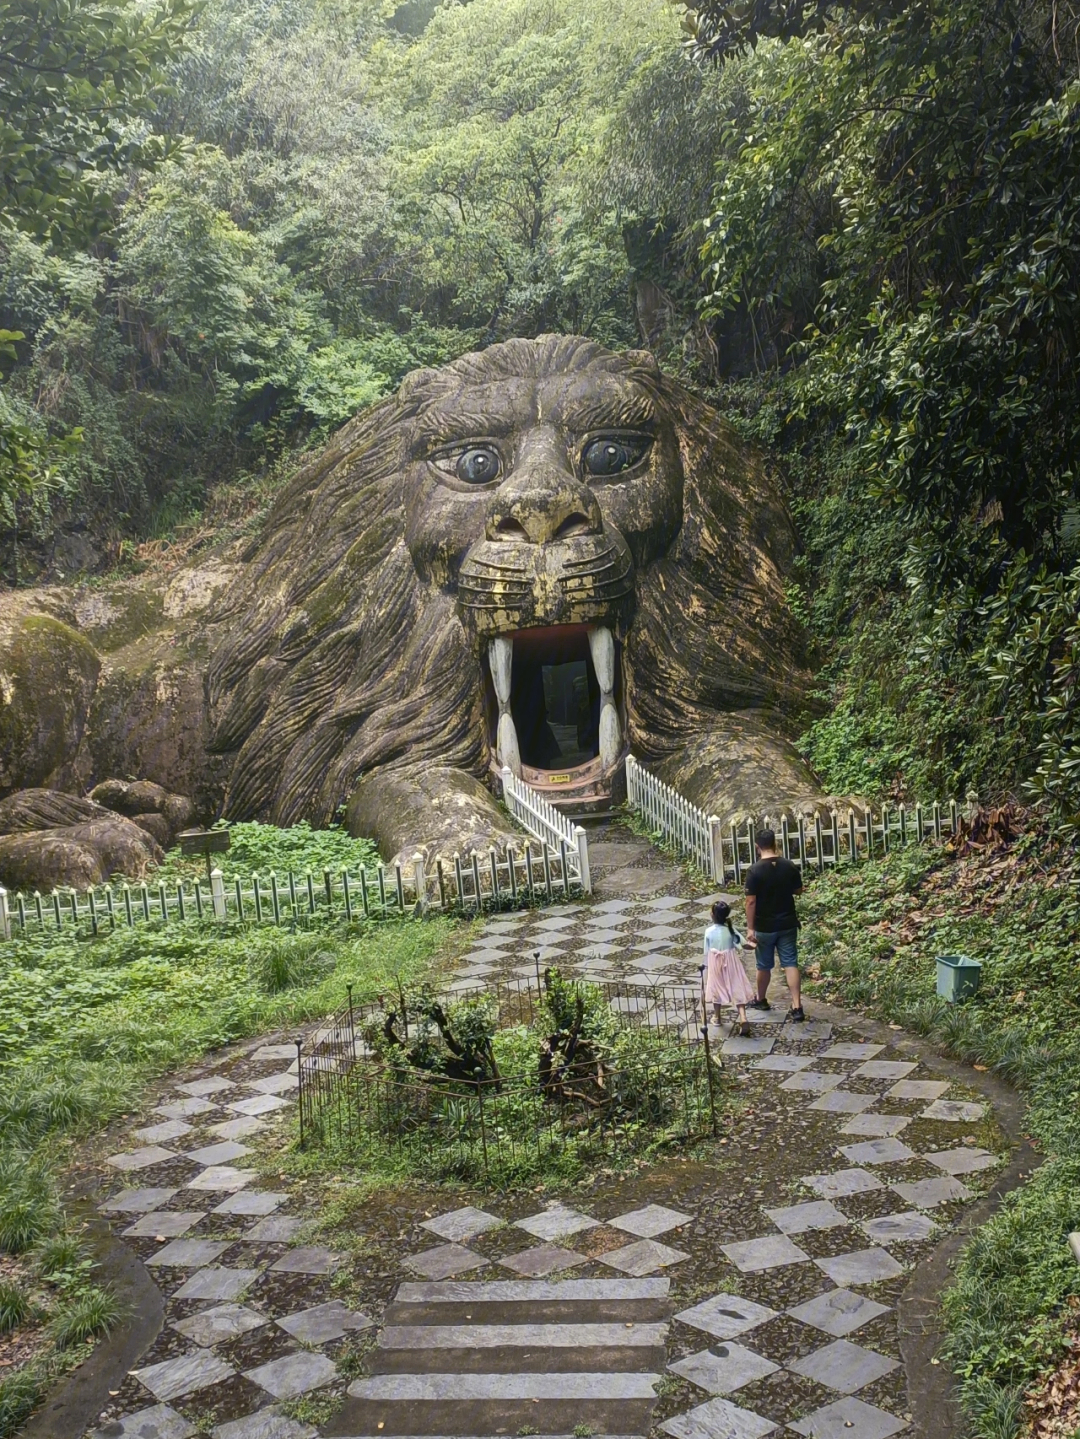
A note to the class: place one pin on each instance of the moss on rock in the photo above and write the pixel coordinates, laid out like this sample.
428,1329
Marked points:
48,672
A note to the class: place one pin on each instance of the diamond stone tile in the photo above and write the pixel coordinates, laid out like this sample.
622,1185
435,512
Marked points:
844,1366
219,1325
810,1080
200,1088
726,1316
783,1063
961,1161
800,1218
219,1284
219,1153
884,1069
844,1181
918,1089
185,1375
258,1104
842,1101
443,1261
266,1424
852,1051
954,1109
603,936
159,1422
185,1108
293,1374
556,1223
642,1258
275,1083
323,1323
237,1128
166,1223
308,1259
141,1158
810,1030
862,1266
221,1177
878,1151
848,1419
277,1229
754,1044
909,1227
274,1051
137,1201
724,1368
253,1203
190,1253
654,1219
542,1260
719,1419
880,1126
750,1256
928,1193
838,1312
163,1132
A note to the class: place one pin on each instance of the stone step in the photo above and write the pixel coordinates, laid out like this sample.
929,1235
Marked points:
514,1359
530,1291
539,1311
449,1387
501,1414
522,1336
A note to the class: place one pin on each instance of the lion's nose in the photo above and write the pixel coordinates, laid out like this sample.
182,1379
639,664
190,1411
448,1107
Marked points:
542,501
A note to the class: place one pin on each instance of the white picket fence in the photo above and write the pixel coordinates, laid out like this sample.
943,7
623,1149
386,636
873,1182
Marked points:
556,868
724,850
552,828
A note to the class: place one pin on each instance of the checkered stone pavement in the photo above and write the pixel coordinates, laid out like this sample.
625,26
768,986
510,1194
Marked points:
778,1318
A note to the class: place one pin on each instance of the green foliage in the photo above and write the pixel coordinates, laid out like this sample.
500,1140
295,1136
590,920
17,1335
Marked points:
29,1208
19,1396
291,962
88,1315
261,848
14,1307
78,80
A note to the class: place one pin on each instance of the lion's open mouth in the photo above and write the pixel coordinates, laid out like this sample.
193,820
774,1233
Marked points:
554,701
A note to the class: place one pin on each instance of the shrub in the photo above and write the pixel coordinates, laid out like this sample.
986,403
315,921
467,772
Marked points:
28,1203
14,1307
90,1313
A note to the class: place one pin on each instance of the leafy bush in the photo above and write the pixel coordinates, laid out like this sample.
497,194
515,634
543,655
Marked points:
29,1209
291,962
14,1307
19,1397
85,1316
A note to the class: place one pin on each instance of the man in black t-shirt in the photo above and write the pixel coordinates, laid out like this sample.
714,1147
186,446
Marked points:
771,922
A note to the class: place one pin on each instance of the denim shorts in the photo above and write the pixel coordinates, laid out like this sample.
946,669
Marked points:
785,944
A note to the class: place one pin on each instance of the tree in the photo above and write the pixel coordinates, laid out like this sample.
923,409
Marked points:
79,84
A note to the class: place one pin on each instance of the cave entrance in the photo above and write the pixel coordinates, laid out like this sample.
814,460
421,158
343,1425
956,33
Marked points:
555,698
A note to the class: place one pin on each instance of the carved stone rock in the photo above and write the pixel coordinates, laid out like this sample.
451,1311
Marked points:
541,555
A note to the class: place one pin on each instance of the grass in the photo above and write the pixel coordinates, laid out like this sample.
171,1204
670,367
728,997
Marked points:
14,1307
85,1023
871,934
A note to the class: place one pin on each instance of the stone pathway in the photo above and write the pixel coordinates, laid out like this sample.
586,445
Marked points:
704,1300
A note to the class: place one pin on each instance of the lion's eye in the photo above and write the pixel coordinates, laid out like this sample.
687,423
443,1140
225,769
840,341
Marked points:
610,456
477,466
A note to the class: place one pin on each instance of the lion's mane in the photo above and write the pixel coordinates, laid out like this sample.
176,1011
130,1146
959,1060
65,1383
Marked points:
340,661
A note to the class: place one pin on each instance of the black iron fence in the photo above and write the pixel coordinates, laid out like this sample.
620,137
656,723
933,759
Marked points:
656,1084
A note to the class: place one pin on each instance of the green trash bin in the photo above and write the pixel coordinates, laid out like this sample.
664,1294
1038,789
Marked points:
957,976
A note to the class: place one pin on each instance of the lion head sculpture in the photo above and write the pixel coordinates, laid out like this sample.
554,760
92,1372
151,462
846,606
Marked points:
537,556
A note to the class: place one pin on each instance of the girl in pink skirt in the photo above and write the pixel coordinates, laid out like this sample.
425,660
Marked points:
726,980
